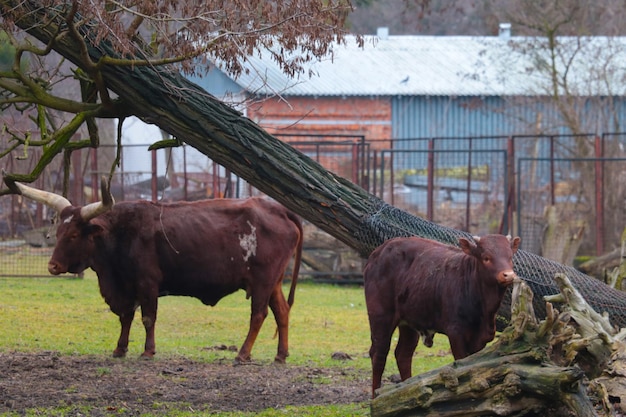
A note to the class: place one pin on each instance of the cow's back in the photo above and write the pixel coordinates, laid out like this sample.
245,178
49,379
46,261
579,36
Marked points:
408,259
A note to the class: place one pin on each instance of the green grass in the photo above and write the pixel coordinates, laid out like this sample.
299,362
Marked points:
68,315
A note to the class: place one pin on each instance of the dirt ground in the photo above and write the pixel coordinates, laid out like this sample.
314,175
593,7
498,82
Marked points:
133,386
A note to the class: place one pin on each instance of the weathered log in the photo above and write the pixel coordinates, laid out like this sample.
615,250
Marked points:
599,265
600,350
609,267
595,330
533,367
510,385
610,386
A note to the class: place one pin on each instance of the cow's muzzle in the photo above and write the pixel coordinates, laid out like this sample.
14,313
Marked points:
506,277
55,268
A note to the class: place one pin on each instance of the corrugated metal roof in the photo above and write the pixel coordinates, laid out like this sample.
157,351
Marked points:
429,65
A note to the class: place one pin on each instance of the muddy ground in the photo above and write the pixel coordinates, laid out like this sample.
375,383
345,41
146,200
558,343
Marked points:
134,386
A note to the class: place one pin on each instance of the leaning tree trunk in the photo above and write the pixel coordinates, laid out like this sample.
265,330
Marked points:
165,98
161,96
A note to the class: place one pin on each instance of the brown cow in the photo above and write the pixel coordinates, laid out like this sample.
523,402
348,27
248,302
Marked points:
204,249
426,287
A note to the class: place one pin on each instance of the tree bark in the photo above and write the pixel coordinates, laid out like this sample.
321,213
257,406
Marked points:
609,267
512,385
618,275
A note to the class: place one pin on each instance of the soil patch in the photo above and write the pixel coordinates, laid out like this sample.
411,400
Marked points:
134,386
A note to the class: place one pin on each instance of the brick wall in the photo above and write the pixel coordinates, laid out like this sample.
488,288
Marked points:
369,117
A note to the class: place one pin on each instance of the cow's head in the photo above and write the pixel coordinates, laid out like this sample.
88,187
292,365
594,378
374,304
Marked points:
494,254
75,230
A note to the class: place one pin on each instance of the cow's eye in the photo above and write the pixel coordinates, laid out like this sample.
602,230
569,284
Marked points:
486,259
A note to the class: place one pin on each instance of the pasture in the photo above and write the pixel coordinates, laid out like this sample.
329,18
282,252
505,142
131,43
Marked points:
58,334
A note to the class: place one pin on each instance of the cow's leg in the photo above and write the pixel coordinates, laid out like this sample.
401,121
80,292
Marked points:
126,320
148,318
407,342
381,329
257,317
458,344
280,308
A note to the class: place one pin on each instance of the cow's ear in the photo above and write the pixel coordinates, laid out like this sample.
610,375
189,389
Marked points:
515,243
467,246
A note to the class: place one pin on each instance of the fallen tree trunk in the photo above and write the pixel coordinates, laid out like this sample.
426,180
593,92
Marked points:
535,367
486,387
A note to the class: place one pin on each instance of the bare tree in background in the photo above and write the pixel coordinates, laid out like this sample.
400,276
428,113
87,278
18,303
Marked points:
560,39
564,17
476,18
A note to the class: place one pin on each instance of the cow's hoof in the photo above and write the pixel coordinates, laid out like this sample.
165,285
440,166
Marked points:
119,353
242,361
395,378
278,360
147,355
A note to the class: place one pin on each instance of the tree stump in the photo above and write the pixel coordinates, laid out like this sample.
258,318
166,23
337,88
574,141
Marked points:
609,267
562,236
570,363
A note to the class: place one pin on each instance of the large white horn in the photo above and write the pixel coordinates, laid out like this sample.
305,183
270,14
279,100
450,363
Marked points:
52,200
92,210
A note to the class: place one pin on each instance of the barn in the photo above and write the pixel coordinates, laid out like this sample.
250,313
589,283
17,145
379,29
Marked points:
399,87
511,113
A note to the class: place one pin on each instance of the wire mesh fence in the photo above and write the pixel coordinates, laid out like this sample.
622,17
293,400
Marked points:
589,194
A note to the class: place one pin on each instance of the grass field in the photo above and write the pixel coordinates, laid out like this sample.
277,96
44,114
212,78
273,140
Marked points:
68,315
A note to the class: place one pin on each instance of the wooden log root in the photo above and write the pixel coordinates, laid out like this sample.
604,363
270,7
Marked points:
532,368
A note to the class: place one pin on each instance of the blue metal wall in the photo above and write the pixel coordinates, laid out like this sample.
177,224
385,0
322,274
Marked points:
446,116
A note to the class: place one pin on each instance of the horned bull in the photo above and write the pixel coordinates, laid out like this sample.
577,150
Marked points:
206,249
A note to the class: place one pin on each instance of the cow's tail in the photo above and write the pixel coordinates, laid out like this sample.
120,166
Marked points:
297,259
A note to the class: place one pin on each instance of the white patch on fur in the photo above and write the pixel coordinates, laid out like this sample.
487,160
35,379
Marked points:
248,243
69,219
